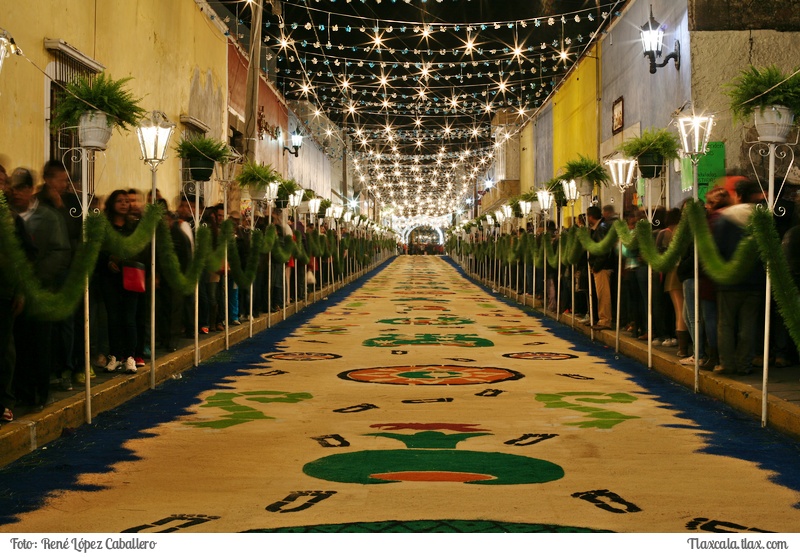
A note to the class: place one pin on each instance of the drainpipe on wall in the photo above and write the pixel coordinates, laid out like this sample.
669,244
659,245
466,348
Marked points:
253,81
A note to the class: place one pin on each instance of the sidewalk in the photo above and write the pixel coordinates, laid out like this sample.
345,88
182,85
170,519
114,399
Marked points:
741,393
33,428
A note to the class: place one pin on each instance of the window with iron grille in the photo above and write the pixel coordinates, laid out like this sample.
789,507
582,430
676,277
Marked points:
67,66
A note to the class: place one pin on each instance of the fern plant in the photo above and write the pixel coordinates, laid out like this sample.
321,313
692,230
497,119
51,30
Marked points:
256,176
652,141
585,168
99,92
201,147
756,88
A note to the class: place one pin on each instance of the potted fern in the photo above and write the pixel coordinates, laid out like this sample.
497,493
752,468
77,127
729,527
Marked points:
96,105
651,149
586,172
768,94
285,189
258,179
202,153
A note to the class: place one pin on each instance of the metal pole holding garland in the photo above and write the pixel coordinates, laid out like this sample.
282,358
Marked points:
196,334
154,132
622,172
558,275
188,189
571,195
87,353
650,212
775,148
226,279
545,198
313,209
695,131
589,277
85,155
250,297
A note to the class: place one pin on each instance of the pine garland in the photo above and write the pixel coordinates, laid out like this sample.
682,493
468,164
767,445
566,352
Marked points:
715,266
126,247
784,289
169,265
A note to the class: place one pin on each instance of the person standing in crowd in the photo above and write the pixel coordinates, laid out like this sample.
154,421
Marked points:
184,224
655,296
12,303
739,304
136,200
635,314
55,194
602,269
121,304
210,279
716,200
235,301
48,232
673,287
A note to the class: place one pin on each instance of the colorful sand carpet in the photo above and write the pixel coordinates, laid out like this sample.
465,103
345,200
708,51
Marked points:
413,401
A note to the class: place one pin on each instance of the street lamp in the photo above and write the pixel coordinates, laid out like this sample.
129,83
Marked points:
293,202
313,207
652,33
571,194
297,142
7,47
545,198
154,132
621,171
695,130
270,195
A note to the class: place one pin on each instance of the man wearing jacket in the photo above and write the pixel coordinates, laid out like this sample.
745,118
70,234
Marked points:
739,304
602,268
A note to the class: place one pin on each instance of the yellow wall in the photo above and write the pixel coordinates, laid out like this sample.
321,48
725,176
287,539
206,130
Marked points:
575,109
527,159
175,54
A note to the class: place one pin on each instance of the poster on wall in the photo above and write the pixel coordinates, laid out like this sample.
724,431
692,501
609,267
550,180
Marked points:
710,168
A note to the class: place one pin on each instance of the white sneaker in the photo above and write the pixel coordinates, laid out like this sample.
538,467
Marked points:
112,364
687,361
130,365
670,342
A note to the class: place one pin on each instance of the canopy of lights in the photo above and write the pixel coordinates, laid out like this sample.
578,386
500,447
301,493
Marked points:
424,92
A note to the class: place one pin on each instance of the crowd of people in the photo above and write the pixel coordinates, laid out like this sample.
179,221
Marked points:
730,336
37,354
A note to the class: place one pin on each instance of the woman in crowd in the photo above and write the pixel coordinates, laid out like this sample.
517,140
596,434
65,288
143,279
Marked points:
121,304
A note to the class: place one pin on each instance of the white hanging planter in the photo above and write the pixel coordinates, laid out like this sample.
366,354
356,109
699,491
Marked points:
773,123
94,131
585,187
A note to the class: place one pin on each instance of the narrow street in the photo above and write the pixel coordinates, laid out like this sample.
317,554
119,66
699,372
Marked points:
413,400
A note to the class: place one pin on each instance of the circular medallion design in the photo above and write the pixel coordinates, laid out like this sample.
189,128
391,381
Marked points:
301,356
539,356
433,374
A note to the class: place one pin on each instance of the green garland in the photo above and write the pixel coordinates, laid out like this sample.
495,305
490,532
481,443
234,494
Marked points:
784,289
126,247
715,266
761,239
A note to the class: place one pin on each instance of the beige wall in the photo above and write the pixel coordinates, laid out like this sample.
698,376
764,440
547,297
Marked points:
717,58
175,53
